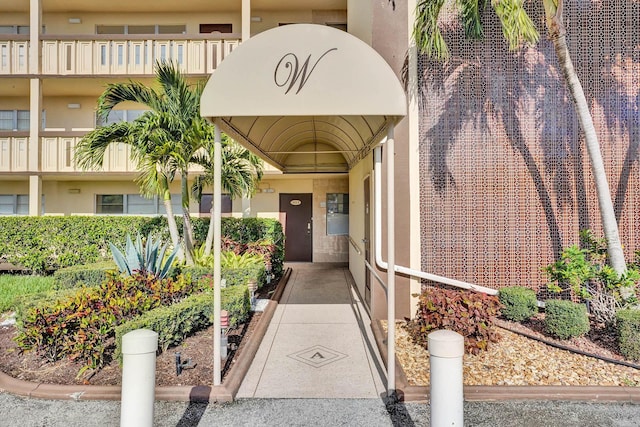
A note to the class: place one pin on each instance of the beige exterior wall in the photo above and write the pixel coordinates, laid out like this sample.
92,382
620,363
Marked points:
357,175
360,19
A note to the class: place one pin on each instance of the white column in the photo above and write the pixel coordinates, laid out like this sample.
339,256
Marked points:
446,349
35,25
217,236
391,257
35,195
246,20
246,207
138,378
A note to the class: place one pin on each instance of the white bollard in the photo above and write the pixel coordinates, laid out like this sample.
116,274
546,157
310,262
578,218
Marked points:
446,349
138,378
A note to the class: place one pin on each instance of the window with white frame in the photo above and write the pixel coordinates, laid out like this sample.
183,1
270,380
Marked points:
16,204
117,116
17,120
141,29
16,29
134,204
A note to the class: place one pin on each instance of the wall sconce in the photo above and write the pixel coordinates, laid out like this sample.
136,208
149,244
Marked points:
256,19
268,190
73,191
75,21
73,106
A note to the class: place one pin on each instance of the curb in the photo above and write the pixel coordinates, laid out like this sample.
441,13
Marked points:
412,393
199,393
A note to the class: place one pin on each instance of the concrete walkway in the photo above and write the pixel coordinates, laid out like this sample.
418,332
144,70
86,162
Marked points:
319,343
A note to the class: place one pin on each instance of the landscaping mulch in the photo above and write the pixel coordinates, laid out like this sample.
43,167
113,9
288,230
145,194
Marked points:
517,360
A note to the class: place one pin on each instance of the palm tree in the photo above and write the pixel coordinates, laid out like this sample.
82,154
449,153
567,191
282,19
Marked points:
518,29
241,173
163,140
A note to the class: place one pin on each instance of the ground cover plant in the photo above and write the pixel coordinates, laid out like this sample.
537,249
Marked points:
14,287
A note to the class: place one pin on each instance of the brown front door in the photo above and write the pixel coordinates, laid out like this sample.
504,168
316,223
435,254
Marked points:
296,213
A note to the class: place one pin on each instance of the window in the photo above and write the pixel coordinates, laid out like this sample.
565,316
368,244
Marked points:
14,120
16,204
337,213
216,28
16,29
134,204
141,29
207,200
117,116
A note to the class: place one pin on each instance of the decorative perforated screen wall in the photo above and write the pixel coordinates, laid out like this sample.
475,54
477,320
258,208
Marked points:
506,181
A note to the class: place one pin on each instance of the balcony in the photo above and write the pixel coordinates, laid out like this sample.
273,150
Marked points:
57,152
129,55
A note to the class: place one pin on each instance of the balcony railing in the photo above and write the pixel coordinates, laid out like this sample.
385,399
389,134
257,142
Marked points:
57,153
116,55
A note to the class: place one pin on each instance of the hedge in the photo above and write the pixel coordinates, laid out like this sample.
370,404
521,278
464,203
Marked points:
566,319
232,276
628,328
45,243
87,274
518,303
174,323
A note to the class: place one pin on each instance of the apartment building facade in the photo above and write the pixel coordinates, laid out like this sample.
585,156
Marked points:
56,58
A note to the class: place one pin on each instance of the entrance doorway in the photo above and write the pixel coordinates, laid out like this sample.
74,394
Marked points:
367,242
298,217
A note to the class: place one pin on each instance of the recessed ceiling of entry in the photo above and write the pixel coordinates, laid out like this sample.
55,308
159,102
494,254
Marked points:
308,98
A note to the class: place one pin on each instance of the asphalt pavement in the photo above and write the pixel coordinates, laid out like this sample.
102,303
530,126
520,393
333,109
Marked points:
30,412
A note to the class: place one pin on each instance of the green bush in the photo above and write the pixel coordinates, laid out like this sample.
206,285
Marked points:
566,319
518,303
174,323
232,276
470,314
628,325
49,243
86,274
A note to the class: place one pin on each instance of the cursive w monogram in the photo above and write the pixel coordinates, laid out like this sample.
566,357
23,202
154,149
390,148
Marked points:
296,73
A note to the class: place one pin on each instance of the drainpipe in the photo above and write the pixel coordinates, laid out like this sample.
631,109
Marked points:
377,201
391,254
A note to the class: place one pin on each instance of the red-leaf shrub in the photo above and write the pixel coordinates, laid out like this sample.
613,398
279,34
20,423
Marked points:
468,313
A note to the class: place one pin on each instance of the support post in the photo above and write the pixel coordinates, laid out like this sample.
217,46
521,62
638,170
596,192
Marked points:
446,349
246,20
138,378
391,261
217,236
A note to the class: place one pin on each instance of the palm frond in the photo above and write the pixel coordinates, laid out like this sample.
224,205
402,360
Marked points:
426,33
90,150
517,27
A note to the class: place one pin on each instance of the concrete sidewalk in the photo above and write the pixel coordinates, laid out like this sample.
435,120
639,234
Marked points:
319,343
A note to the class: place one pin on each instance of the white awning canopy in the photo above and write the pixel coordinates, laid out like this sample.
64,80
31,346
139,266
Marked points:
307,98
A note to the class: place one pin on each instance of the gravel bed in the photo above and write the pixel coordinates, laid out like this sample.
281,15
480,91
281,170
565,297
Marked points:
517,360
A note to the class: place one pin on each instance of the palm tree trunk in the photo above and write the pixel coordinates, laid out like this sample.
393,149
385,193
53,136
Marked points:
187,226
209,242
607,212
171,221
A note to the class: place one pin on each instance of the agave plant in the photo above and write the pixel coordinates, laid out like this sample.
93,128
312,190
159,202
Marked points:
146,258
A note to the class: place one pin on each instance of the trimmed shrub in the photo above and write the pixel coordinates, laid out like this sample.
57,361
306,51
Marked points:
566,319
87,274
518,303
174,323
233,276
628,325
48,243
468,313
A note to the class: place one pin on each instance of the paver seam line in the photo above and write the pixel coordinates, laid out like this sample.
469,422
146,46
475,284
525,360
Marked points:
292,281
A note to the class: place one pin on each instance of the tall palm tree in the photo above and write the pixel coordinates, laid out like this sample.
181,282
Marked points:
518,29
241,173
163,140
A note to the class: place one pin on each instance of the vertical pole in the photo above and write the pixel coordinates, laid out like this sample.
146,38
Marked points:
246,20
391,257
35,27
217,236
446,390
138,378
